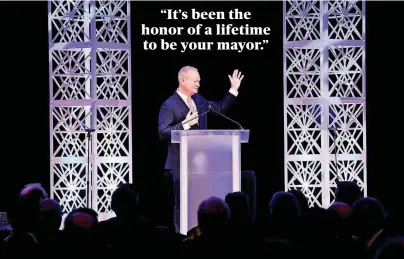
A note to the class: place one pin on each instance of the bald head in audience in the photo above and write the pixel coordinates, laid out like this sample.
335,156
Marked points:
342,209
81,223
33,192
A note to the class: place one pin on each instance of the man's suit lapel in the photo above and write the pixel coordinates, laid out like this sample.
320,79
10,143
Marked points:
199,107
183,106
197,104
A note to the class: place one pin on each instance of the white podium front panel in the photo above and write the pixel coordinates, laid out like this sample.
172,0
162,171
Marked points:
209,166
209,171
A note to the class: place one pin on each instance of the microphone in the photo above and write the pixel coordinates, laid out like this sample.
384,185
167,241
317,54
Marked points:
199,115
333,132
210,108
86,128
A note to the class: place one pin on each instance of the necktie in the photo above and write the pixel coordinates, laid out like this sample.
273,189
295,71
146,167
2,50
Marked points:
190,105
192,108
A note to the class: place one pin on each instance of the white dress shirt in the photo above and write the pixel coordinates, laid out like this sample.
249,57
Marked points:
185,98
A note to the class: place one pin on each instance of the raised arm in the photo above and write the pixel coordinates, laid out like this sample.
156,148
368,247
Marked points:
225,104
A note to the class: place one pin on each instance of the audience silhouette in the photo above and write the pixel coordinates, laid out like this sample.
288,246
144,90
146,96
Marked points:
351,227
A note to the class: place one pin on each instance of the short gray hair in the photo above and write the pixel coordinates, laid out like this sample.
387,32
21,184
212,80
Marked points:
183,73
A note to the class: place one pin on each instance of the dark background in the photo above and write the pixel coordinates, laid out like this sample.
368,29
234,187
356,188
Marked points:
25,92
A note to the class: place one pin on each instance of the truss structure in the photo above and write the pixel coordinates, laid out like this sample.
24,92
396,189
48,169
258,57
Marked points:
90,101
324,97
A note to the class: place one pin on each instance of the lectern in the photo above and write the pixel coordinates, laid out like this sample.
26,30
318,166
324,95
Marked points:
210,165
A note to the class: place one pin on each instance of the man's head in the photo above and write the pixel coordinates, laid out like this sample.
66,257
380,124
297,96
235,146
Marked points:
302,199
348,192
367,217
188,80
33,192
213,216
238,205
81,224
342,209
124,201
51,214
29,200
284,205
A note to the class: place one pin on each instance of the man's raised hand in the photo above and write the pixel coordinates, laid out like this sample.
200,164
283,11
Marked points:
235,79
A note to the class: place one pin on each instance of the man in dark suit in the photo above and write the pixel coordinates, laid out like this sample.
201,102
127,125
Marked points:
180,112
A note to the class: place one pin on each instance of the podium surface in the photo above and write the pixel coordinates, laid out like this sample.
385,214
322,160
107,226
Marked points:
210,165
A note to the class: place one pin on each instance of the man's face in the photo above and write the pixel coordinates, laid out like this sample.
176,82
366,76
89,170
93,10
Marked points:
190,84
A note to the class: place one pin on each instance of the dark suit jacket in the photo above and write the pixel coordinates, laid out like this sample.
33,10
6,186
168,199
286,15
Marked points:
174,111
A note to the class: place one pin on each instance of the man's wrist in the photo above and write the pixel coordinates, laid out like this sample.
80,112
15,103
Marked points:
186,126
233,91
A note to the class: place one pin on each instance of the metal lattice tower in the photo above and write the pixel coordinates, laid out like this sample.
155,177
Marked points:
324,94
90,88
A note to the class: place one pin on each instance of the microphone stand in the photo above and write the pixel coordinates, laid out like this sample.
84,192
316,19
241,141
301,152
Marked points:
235,122
335,137
200,115
89,175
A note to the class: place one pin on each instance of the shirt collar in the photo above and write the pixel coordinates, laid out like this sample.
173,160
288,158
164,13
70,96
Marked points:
183,96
